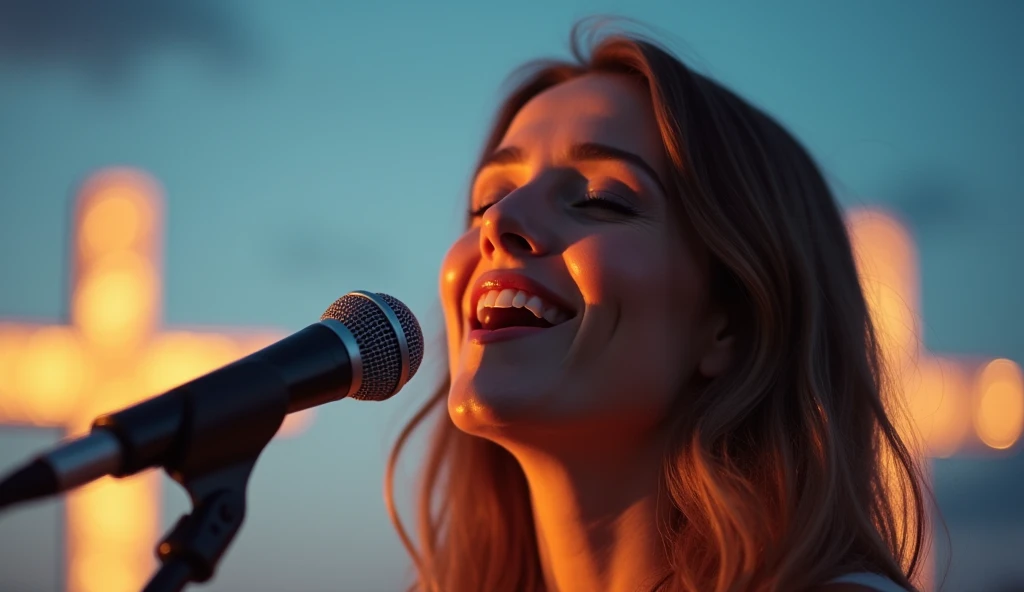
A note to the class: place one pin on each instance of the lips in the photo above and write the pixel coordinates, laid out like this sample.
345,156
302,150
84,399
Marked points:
512,304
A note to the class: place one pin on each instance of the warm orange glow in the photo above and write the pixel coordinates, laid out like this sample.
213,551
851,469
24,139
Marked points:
1000,413
109,358
114,221
178,357
105,521
887,263
114,304
50,374
12,343
471,407
107,499
98,569
938,406
114,391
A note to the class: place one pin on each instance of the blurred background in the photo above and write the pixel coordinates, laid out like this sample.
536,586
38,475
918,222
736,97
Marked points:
182,181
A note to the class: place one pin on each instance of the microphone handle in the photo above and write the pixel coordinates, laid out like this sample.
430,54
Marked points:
214,420
210,422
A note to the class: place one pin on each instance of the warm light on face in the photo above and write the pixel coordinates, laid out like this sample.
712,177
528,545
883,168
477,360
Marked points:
1000,414
110,357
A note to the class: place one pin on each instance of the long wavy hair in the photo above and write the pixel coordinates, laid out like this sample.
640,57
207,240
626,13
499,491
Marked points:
788,469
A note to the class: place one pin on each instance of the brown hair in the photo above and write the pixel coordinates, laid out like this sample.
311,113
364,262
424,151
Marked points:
788,470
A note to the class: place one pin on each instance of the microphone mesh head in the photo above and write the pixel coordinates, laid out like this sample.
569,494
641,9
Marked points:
378,342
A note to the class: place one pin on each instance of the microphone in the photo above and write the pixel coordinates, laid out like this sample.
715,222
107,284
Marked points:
366,346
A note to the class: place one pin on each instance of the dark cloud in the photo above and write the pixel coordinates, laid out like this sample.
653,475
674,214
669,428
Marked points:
104,39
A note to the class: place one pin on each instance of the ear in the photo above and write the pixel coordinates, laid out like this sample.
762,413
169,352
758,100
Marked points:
718,352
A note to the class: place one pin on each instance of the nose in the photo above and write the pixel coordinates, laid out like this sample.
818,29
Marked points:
514,227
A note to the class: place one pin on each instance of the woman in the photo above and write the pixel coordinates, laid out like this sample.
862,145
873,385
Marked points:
663,375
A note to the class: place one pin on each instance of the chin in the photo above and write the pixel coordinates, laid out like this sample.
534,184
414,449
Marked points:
479,408
505,397
515,413
551,411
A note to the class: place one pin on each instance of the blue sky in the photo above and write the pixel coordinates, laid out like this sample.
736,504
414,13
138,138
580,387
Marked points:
312,148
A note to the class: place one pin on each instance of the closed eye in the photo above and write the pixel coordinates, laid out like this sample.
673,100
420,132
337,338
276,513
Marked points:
480,211
490,201
605,202
592,199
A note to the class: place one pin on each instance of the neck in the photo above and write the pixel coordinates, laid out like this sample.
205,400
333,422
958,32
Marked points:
597,515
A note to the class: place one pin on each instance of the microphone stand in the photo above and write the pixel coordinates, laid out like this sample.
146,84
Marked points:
191,550
214,454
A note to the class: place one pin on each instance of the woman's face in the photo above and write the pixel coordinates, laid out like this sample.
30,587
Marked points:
575,303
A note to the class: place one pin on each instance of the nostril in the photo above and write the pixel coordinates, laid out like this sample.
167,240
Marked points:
516,243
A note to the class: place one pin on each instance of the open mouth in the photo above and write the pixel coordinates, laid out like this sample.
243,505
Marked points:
509,307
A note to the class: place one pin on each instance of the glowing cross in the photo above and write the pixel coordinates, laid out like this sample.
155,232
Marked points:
112,354
954,404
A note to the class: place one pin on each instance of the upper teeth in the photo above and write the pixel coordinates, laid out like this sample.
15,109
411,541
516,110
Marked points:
509,298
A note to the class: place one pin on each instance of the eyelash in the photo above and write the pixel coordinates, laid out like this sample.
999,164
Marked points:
592,198
596,199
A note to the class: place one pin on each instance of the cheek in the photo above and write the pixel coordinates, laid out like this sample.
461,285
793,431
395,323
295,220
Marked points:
644,295
628,271
456,271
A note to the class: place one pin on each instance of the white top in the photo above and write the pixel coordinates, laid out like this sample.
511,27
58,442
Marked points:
871,580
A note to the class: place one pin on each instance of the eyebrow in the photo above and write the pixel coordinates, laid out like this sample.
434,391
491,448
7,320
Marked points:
585,152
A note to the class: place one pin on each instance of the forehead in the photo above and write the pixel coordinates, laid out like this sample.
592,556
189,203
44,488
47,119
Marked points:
600,108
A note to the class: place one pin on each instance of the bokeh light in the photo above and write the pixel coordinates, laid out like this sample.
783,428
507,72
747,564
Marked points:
114,221
12,343
115,302
51,373
999,418
937,402
887,264
111,528
179,356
